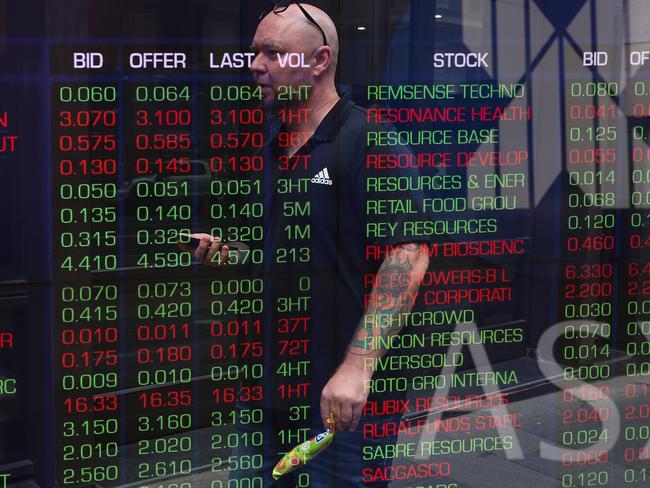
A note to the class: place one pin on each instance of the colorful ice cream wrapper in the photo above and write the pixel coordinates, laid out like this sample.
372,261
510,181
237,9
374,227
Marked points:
305,452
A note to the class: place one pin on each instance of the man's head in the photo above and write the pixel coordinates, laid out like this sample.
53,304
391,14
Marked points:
289,30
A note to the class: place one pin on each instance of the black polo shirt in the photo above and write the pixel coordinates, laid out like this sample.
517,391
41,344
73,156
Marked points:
315,245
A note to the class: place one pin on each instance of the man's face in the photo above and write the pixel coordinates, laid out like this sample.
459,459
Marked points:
277,35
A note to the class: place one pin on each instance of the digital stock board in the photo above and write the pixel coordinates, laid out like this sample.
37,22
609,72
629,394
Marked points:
411,237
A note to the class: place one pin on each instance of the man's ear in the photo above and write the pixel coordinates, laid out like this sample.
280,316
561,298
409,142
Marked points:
323,57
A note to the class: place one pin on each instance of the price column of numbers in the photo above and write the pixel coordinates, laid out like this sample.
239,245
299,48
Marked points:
161,374
89,430
588,277
85,192
234,141
234,137
160,178
635,303
237,372
86,313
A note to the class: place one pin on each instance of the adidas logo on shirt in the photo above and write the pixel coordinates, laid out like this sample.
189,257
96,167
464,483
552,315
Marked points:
322,178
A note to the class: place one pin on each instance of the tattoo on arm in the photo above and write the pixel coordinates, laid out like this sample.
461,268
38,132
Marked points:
394,292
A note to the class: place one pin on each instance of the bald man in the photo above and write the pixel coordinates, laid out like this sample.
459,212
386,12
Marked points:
290,31
330,265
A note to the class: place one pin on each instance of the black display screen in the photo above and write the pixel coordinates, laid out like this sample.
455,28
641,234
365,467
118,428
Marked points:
371,243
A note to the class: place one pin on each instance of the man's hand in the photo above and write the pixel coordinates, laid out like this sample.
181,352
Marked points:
345,395
207,250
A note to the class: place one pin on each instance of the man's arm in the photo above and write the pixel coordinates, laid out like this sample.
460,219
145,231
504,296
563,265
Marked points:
397,283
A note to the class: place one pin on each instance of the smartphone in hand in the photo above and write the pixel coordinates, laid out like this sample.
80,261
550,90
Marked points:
195,241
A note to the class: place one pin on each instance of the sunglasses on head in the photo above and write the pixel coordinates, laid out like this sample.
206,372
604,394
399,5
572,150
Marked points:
281,6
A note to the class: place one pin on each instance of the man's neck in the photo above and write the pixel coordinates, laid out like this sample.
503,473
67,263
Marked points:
316,108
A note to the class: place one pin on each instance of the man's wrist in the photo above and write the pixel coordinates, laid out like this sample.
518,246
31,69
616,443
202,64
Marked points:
359,364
